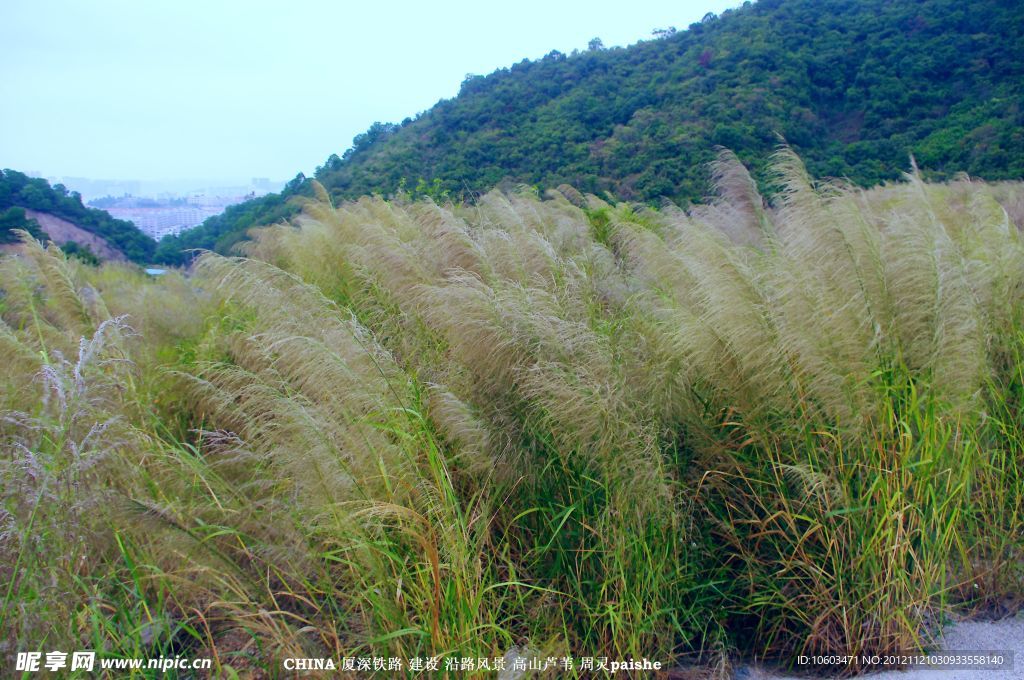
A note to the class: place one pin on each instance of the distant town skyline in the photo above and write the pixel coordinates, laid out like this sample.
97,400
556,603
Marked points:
97,187
227,91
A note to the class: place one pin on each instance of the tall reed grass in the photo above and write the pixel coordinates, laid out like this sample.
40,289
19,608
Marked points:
551,424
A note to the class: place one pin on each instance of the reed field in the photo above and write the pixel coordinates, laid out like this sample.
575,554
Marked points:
749,428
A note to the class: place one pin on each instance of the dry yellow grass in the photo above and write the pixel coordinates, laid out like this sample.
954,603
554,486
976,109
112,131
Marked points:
408,429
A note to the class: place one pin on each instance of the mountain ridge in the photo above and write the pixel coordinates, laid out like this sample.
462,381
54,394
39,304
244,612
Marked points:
854,88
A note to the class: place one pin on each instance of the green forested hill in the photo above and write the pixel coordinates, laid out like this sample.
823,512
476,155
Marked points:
854,86
19,191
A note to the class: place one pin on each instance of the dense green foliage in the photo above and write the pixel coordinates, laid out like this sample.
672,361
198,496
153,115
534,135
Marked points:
14,219
855,87
80,252
19,190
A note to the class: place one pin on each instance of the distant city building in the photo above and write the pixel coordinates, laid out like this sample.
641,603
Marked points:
160,208
163,220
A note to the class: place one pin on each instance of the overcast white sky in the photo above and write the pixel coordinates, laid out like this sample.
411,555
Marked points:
229,90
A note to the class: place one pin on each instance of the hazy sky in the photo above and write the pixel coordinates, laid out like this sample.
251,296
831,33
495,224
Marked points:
229,90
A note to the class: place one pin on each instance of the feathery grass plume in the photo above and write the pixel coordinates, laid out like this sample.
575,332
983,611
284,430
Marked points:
44,315
559,381
169,316
661,320
1010,196
304,383
511,298
56,275
572,195
738,210
520,345
474,450
410,429
28,312
59,471
993,258
370,257
822,275
937,319
910,240
313,392
709,298
807,338
450,244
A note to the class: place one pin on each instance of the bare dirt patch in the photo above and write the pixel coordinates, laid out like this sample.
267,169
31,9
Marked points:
61,231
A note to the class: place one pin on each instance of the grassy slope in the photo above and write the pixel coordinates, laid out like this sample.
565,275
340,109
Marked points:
409,430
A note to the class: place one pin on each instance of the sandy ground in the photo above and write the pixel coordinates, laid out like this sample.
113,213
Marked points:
975,636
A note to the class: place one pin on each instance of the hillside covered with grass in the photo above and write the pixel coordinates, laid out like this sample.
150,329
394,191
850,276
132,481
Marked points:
540,423
855,87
